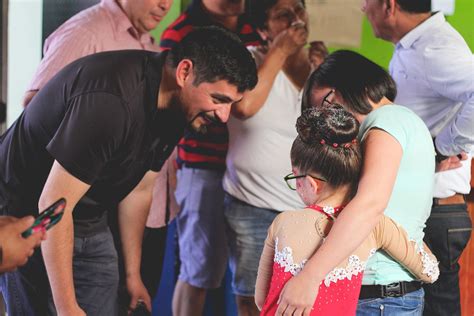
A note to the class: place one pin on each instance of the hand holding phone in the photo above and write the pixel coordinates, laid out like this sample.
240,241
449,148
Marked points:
14,249
140,310
48,218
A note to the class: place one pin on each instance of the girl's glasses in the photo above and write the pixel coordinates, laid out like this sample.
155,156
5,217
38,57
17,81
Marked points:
290,179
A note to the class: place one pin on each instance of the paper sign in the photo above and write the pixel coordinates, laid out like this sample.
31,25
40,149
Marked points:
336,22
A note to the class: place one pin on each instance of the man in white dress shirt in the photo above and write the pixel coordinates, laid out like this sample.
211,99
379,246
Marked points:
434,71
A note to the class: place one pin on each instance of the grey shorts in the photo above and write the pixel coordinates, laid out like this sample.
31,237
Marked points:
201,227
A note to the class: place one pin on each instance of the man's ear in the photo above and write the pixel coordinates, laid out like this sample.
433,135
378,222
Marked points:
184,71
390,6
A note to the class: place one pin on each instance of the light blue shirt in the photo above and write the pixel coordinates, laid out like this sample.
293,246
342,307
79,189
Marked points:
434,71
411,198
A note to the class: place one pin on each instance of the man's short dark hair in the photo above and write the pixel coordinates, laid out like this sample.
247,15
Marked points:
355,77
415,6
217,54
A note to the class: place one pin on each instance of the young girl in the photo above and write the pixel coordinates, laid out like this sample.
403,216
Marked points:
326,162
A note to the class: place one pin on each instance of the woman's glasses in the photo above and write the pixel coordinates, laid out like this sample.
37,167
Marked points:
326,101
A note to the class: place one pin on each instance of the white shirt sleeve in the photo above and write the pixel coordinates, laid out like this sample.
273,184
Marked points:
450,73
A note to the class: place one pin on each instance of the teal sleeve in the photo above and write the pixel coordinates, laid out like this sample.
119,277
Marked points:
389,118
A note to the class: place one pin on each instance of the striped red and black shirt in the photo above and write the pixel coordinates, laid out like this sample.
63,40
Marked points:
209,150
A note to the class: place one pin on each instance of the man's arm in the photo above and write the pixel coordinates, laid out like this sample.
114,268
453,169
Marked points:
449,72
133,212
58,249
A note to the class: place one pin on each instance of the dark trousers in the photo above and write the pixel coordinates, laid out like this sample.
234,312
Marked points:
95,271
153,253
447,233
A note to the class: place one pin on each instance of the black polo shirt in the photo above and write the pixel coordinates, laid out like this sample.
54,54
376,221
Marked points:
98,118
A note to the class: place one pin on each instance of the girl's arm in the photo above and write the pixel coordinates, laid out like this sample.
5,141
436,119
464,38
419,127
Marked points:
419,260
265,270
382,156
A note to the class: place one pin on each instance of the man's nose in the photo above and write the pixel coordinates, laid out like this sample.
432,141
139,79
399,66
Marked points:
223,113
165,5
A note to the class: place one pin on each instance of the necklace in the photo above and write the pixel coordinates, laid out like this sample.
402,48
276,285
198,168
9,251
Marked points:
327,210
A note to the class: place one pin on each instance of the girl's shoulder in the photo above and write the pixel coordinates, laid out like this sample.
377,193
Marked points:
302,220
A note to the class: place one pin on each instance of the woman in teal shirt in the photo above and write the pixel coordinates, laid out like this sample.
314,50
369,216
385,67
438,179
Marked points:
397,179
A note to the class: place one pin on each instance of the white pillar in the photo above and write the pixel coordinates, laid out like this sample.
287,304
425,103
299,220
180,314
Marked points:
24,50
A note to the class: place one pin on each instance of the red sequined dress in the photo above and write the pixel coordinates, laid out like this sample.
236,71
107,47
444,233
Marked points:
294,236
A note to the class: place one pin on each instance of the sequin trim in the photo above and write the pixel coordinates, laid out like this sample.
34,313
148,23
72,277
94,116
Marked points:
430,266
354,267
285,259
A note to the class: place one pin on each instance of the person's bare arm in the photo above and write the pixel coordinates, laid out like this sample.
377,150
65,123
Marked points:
58,249
132,215
382,156
285,44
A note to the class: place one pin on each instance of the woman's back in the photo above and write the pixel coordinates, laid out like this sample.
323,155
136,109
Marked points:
411,198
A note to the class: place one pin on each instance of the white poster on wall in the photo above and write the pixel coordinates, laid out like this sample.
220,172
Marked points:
336,22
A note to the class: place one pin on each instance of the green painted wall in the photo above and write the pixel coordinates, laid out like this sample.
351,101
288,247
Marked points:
169,18
371,47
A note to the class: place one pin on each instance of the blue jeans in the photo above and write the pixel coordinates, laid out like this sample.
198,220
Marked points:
410,304
447,233
95,271
247,230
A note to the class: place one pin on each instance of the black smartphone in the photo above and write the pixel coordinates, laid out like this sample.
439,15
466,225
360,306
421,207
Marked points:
48,218
140,310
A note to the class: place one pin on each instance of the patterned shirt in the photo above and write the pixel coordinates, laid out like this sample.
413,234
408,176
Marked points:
196,150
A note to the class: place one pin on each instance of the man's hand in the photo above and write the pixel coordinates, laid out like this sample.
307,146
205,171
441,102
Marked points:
137,291
298,296
74,311
452,162
15,249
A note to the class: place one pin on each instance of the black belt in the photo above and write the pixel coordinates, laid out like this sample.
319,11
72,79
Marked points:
390,290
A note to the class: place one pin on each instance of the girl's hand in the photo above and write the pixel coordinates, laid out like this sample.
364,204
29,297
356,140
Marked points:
298,295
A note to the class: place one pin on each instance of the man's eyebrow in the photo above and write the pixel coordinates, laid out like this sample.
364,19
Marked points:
222,98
